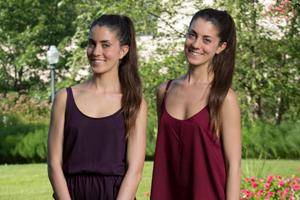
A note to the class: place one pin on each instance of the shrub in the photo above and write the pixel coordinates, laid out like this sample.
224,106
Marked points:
23,143
263,139
274,187
23,128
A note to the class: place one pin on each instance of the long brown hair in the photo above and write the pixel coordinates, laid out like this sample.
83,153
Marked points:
222,65
131,85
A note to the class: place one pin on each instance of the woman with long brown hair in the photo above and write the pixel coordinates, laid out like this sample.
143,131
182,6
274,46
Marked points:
97,134
198,148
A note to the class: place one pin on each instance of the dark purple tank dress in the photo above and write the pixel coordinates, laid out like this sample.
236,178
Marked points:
94,153
189,161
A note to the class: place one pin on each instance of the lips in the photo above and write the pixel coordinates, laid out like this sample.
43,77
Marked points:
194,52
97,61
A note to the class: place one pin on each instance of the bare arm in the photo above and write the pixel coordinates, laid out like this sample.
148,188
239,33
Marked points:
231,135
55,147
136,150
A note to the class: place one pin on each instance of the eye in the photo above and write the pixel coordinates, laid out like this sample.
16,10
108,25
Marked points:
105,45
91,44
206,41
190,35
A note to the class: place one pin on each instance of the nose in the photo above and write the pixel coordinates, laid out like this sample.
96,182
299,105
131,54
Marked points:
197,43
97,50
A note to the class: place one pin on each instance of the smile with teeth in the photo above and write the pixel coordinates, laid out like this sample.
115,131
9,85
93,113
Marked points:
98,61
194,52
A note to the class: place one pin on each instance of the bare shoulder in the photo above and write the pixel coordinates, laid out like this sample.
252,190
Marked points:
59,105
144,105
162,88
61,97
231,97
231,100
81,87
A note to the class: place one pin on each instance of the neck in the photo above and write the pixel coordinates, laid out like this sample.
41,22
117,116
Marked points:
199,74
105,83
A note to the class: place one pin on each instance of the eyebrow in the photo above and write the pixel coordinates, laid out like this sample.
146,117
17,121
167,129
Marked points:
102,41
207,36
193,31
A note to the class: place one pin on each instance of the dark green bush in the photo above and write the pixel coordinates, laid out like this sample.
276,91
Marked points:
270,141
23,128
23,143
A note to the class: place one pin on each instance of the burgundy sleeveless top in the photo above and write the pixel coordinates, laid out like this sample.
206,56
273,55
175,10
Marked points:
189,161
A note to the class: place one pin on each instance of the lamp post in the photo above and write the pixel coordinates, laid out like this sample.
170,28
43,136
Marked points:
52,57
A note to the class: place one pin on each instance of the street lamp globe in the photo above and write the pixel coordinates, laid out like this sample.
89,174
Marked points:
52,55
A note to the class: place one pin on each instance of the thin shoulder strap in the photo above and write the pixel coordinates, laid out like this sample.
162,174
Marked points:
163,103
69,95
168,85
69,103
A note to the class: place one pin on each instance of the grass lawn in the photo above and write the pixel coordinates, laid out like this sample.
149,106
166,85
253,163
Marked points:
31,182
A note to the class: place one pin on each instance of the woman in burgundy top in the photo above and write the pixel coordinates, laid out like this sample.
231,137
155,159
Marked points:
97,135
198,148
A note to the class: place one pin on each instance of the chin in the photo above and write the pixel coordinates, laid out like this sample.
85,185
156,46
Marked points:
193,62
98,70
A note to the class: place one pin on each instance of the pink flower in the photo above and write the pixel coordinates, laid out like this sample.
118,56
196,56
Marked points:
284,194
260,180
254,185
244,191
295,187
283,188
269,179
281,183
292,197
146,194
250,194
267,185
277,177
259,193
270,194
253,182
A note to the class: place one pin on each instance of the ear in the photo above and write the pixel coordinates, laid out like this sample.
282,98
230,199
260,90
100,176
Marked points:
124,50
221,47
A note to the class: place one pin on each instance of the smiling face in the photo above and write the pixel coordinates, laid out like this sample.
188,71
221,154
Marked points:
202,43
104,50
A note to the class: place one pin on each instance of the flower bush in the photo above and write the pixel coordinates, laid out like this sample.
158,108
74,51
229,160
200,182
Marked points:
274,187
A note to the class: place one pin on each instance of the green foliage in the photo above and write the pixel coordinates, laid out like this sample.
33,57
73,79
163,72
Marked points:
27,29
266,77
269,141
20,108
23,128
23,143
141,12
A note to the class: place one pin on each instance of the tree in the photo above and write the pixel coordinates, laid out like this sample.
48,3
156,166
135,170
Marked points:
27,30
267,66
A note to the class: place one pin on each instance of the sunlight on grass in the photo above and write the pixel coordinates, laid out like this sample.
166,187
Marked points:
31,181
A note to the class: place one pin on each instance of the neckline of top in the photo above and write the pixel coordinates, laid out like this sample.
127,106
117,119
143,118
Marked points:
188,118
91,117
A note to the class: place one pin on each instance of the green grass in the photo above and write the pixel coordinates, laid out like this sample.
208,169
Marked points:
31,182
